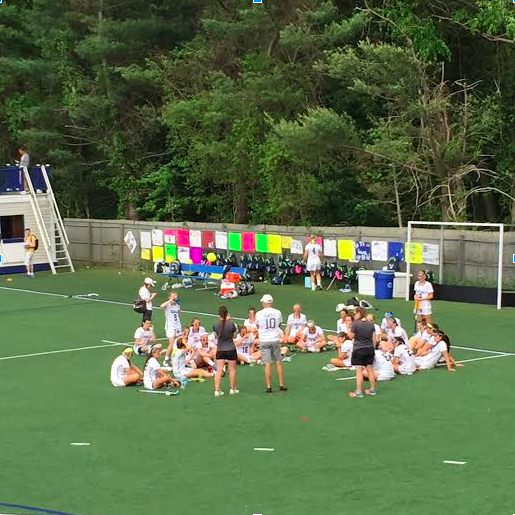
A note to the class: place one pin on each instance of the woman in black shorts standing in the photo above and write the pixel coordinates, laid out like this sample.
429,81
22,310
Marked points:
362,332
225,330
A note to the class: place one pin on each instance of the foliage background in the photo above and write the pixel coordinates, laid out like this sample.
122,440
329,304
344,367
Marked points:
292,112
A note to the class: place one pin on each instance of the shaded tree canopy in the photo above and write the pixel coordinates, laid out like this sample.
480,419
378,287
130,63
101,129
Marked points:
290,112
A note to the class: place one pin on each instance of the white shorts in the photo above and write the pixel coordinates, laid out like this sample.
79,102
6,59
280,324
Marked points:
427,362
148,385
29,258
172,332
424,311
313,265
406,371
384,377
118,382
181,373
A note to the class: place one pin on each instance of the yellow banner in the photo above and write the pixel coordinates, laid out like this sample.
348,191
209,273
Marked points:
286,242
274,244
413,253
145,254
346,249
158,253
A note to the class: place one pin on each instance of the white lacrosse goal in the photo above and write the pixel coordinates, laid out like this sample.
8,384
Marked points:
442,226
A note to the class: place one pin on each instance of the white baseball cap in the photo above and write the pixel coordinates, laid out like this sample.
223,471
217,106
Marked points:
267,298
148,280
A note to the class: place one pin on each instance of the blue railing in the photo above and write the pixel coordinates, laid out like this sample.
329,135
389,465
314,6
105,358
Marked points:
11,179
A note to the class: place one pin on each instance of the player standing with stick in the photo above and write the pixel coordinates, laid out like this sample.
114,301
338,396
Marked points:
268,322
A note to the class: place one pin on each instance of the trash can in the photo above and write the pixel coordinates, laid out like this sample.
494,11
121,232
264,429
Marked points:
384,284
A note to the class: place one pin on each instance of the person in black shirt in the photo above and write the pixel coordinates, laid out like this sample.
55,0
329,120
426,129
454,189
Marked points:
225,330
362,332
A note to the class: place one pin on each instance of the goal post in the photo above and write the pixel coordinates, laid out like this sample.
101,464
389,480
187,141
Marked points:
442,225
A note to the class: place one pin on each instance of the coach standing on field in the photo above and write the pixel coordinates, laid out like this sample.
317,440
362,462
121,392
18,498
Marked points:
148,296
268,322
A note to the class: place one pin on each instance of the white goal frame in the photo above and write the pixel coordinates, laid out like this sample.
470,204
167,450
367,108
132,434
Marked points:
500,227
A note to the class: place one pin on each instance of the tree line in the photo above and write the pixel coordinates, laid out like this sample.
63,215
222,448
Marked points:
315,112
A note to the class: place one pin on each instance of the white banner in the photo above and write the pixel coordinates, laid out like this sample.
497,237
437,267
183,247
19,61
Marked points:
221,240
183,254
145,239
379,251
330,249
170,239
157,237
195,238
130,241
296,247
431,253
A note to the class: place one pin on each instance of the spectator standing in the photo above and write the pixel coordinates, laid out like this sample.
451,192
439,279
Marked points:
30,244
148,296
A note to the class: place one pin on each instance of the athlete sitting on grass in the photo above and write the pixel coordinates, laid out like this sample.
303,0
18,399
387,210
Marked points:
423,344
426,359
181,361
250,322
377,329
403,358
246,344
382,365
205,351
295,325
344,355
196,331
343,325
396,331
123,371
313,338
143,338
154,376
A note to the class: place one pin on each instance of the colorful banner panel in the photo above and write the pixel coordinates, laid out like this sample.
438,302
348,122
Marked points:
235,241
170,252
330,247
413,253
157,253
261,242
196,255
346,249
208,239
183,237
274,244
221,240
248,242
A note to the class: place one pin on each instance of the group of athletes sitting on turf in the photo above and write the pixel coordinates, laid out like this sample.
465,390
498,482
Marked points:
190,352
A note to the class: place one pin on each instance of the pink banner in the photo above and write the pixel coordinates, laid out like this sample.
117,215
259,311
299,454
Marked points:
196,255
183,237
248,242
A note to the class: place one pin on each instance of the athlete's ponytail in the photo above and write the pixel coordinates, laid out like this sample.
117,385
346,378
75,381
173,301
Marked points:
223,313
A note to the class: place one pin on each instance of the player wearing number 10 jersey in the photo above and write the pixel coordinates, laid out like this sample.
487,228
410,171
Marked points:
268,322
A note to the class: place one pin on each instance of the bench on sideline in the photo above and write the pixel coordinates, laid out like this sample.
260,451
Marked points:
204,273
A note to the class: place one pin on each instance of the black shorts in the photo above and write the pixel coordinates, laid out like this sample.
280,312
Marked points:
362,357
230,355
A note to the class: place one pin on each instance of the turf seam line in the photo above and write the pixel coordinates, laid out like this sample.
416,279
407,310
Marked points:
476,349
34,508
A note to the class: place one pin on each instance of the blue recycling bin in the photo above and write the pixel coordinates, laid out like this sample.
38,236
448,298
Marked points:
384,284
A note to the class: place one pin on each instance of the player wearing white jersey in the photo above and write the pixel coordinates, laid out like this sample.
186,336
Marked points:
394,331
269,322
196,332
154,376
143,337
294,325
383,368
344,356
173,328
183,365
424,293
403,358
313,257
421,336
313,338
441,348
377,329
246,345
205,351
384,322
123,372
250,322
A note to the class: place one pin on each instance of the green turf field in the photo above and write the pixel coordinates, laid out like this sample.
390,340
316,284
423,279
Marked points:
194,454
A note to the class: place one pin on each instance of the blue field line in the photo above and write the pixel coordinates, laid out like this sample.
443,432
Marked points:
114,302
36,509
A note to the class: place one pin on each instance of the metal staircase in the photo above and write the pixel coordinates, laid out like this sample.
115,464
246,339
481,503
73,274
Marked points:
62,260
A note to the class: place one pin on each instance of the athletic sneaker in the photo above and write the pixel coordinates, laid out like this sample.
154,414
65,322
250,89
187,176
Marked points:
286,359
233,391
268,390
371,392
283,388
357,394
331,368
219,393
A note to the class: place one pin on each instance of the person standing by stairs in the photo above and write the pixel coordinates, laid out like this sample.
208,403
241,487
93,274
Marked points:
30,242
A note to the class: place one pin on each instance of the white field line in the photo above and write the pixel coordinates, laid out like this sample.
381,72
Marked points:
451,462
443,364
89,299
265,449
58,351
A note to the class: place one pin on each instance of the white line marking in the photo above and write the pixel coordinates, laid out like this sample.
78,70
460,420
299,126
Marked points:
80,444
476,359
266,449
346,378
36,292
57,351
214,315
451,462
